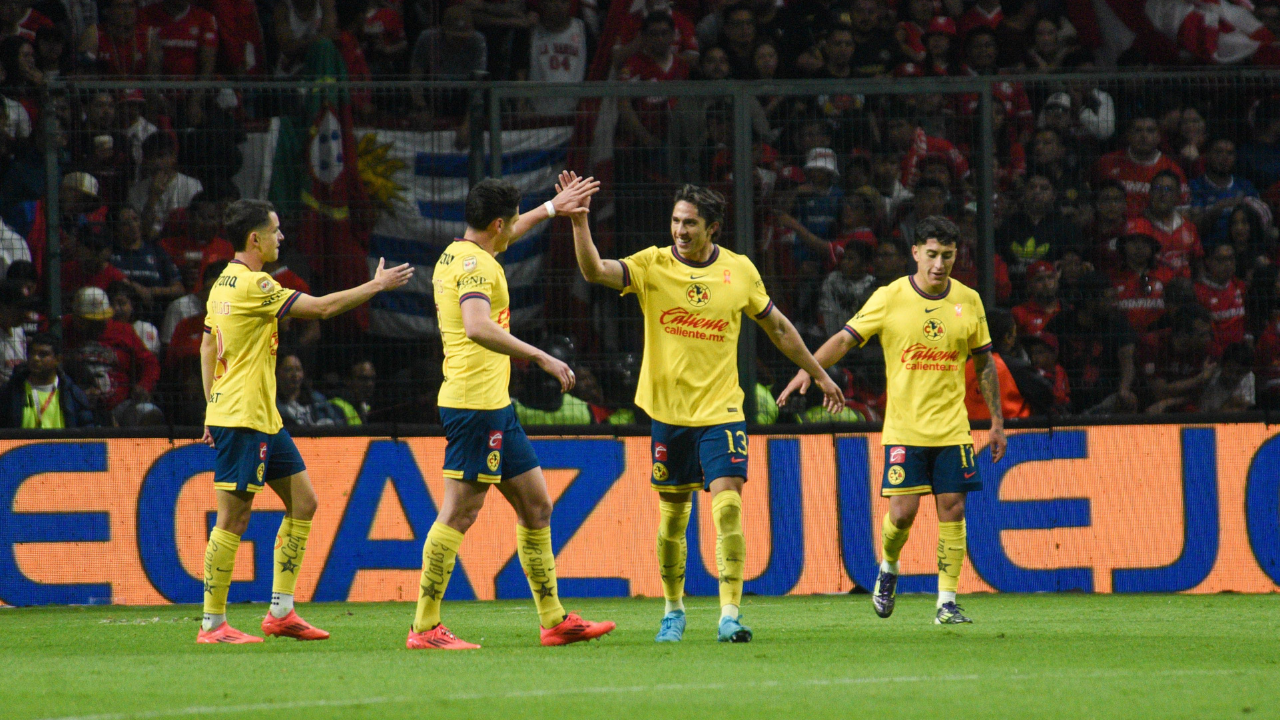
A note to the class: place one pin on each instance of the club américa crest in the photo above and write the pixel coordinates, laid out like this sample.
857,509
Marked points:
934,329
698,294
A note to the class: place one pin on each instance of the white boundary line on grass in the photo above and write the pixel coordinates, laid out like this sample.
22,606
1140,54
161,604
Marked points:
627,689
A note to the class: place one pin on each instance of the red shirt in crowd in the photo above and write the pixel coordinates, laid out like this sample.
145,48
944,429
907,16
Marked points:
1140,296
31,23
385,26
1061,386
686,38
977,17
75,277
1267,360
1226,304
1179,241
181,38
185,343
1031,316
123,57
923,146
186,252
116,360
653,109
239,36
1136,177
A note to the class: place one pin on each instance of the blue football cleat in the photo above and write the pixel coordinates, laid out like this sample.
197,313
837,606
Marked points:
733,631
672,629
885,594
950,614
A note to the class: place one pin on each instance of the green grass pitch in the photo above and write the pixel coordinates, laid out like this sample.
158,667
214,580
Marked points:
1026,656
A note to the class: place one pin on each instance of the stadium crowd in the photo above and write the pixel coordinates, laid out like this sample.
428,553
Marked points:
1136,254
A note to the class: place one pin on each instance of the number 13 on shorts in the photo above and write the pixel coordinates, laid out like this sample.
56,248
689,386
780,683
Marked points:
741,437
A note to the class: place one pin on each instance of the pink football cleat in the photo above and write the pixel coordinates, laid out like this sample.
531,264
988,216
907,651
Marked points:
292,626
574,629
437,638
224,633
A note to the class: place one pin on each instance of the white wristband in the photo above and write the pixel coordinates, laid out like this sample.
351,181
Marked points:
551,209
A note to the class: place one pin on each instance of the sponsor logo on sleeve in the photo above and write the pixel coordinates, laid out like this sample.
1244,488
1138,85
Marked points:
469,263
265,285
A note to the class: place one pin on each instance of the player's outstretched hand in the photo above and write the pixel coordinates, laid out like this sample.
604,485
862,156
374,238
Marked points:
207,438
832,397
392,278
998,443
799,384
557,370
573,193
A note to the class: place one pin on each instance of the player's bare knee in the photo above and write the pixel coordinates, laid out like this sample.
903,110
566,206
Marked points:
536,514
234,523
903,516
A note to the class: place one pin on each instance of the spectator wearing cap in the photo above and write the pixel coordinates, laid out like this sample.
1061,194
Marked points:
1180,247
146,266
78,204
940,48
1222,294
812,211
163,188
1178,363
1136,166
1097,349
1043,303
13,338
122,40
124,300
40,395
1139,282
1037,231
846,288
1042,350
108,352
1023,392
90,264
1218,191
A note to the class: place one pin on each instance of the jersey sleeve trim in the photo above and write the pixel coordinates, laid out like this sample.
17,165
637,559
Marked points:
980,350
626,274
284,307
765,312
854,333
474,296
208,330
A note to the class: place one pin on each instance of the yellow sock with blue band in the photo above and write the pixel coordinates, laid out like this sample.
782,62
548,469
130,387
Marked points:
731,550
539,563
673,550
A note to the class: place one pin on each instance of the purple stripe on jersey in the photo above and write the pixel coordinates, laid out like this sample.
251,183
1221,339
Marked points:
208,330
854,333
715,253
979,350
926,295
474,296
765,312
626,275
237,262
284,308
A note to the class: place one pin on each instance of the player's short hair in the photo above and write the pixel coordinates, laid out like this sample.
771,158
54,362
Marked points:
710,203
938,228
489,200
47,339
243,217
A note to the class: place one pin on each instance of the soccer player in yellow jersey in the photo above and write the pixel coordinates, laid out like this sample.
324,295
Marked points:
929,325
486,445
238,365
693,294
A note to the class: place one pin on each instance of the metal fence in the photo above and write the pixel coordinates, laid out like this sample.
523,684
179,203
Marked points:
164,157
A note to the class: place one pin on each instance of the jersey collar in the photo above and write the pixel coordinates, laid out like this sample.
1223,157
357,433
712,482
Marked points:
715,253
925,295
237,262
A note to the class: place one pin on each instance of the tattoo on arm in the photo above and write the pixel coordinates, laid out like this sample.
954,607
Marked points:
989,383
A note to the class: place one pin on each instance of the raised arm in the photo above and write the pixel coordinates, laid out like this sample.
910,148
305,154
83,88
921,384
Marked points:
483,331
336,303
989,383
602,272
784,336
572,193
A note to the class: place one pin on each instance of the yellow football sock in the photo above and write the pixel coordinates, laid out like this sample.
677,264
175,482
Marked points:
219,562
951,546
731,548
673,550
893,538
291,546
539,563
439,553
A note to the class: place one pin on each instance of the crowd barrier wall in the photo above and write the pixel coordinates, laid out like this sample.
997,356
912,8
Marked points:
1163,508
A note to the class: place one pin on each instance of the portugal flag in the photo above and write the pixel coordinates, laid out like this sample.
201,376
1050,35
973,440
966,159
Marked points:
336,214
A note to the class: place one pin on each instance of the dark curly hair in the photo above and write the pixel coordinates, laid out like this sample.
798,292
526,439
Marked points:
937,228
710,203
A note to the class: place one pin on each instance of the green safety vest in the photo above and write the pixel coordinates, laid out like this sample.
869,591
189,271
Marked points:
819,414
766,408
349,410
573,411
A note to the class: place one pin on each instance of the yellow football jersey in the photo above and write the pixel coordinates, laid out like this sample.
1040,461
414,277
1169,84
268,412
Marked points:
926,341
474,378
243,309
693,314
